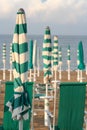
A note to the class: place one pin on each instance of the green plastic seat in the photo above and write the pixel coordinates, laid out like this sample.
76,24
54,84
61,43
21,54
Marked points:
8,122
71,106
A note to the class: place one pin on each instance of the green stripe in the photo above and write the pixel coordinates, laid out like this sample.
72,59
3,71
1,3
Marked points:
20,13
20,68
55,47
56,41
49,49
20,48
47,31
55,63
21,101
47,41
48,72
47,65
46,57
20,28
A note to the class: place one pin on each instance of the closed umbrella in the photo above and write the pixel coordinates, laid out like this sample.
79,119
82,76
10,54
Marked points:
81,65
35,58
68,61
4,60
60,62
20,104
31,59
55,67
46,54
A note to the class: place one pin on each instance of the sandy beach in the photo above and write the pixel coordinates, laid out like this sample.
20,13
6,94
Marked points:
39,110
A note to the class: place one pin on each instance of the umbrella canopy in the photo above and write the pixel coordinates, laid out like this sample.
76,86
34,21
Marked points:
81,65
46,54
19,105
31,55
55,53
68,53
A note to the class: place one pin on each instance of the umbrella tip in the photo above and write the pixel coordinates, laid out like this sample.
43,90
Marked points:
21,10
47,27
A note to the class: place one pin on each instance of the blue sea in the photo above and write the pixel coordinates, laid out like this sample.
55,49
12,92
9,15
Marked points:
64,41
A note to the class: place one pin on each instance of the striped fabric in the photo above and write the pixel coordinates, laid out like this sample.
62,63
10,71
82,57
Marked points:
68,54
4,52
55,53
46,54
20,104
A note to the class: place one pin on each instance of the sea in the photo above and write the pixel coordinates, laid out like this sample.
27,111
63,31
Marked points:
63,41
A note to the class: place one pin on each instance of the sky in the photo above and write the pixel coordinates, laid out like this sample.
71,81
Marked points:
64,17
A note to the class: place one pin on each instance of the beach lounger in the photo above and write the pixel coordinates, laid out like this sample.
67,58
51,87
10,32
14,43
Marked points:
71,106
8,122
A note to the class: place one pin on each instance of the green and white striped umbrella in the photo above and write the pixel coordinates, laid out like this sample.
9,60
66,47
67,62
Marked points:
46,53
68,53
4,52
55,53
20,105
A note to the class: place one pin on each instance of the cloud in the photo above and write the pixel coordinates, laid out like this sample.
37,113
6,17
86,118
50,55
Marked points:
51,12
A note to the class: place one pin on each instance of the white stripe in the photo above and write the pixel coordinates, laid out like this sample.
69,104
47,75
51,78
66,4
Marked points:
45,61
20,19
47,36
23,76
16,112
19,38
20,58
46,45
47,53
18,89
55,38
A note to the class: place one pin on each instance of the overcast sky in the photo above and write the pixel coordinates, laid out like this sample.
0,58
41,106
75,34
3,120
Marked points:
64,17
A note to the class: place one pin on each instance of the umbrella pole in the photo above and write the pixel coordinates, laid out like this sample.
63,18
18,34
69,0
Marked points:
80,75
54,112
46,105
34,74
30,78
21,124
60,76
10,71
69,71
86,69
4,70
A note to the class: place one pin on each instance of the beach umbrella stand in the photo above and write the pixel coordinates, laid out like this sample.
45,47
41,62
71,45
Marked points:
4,60
68,61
